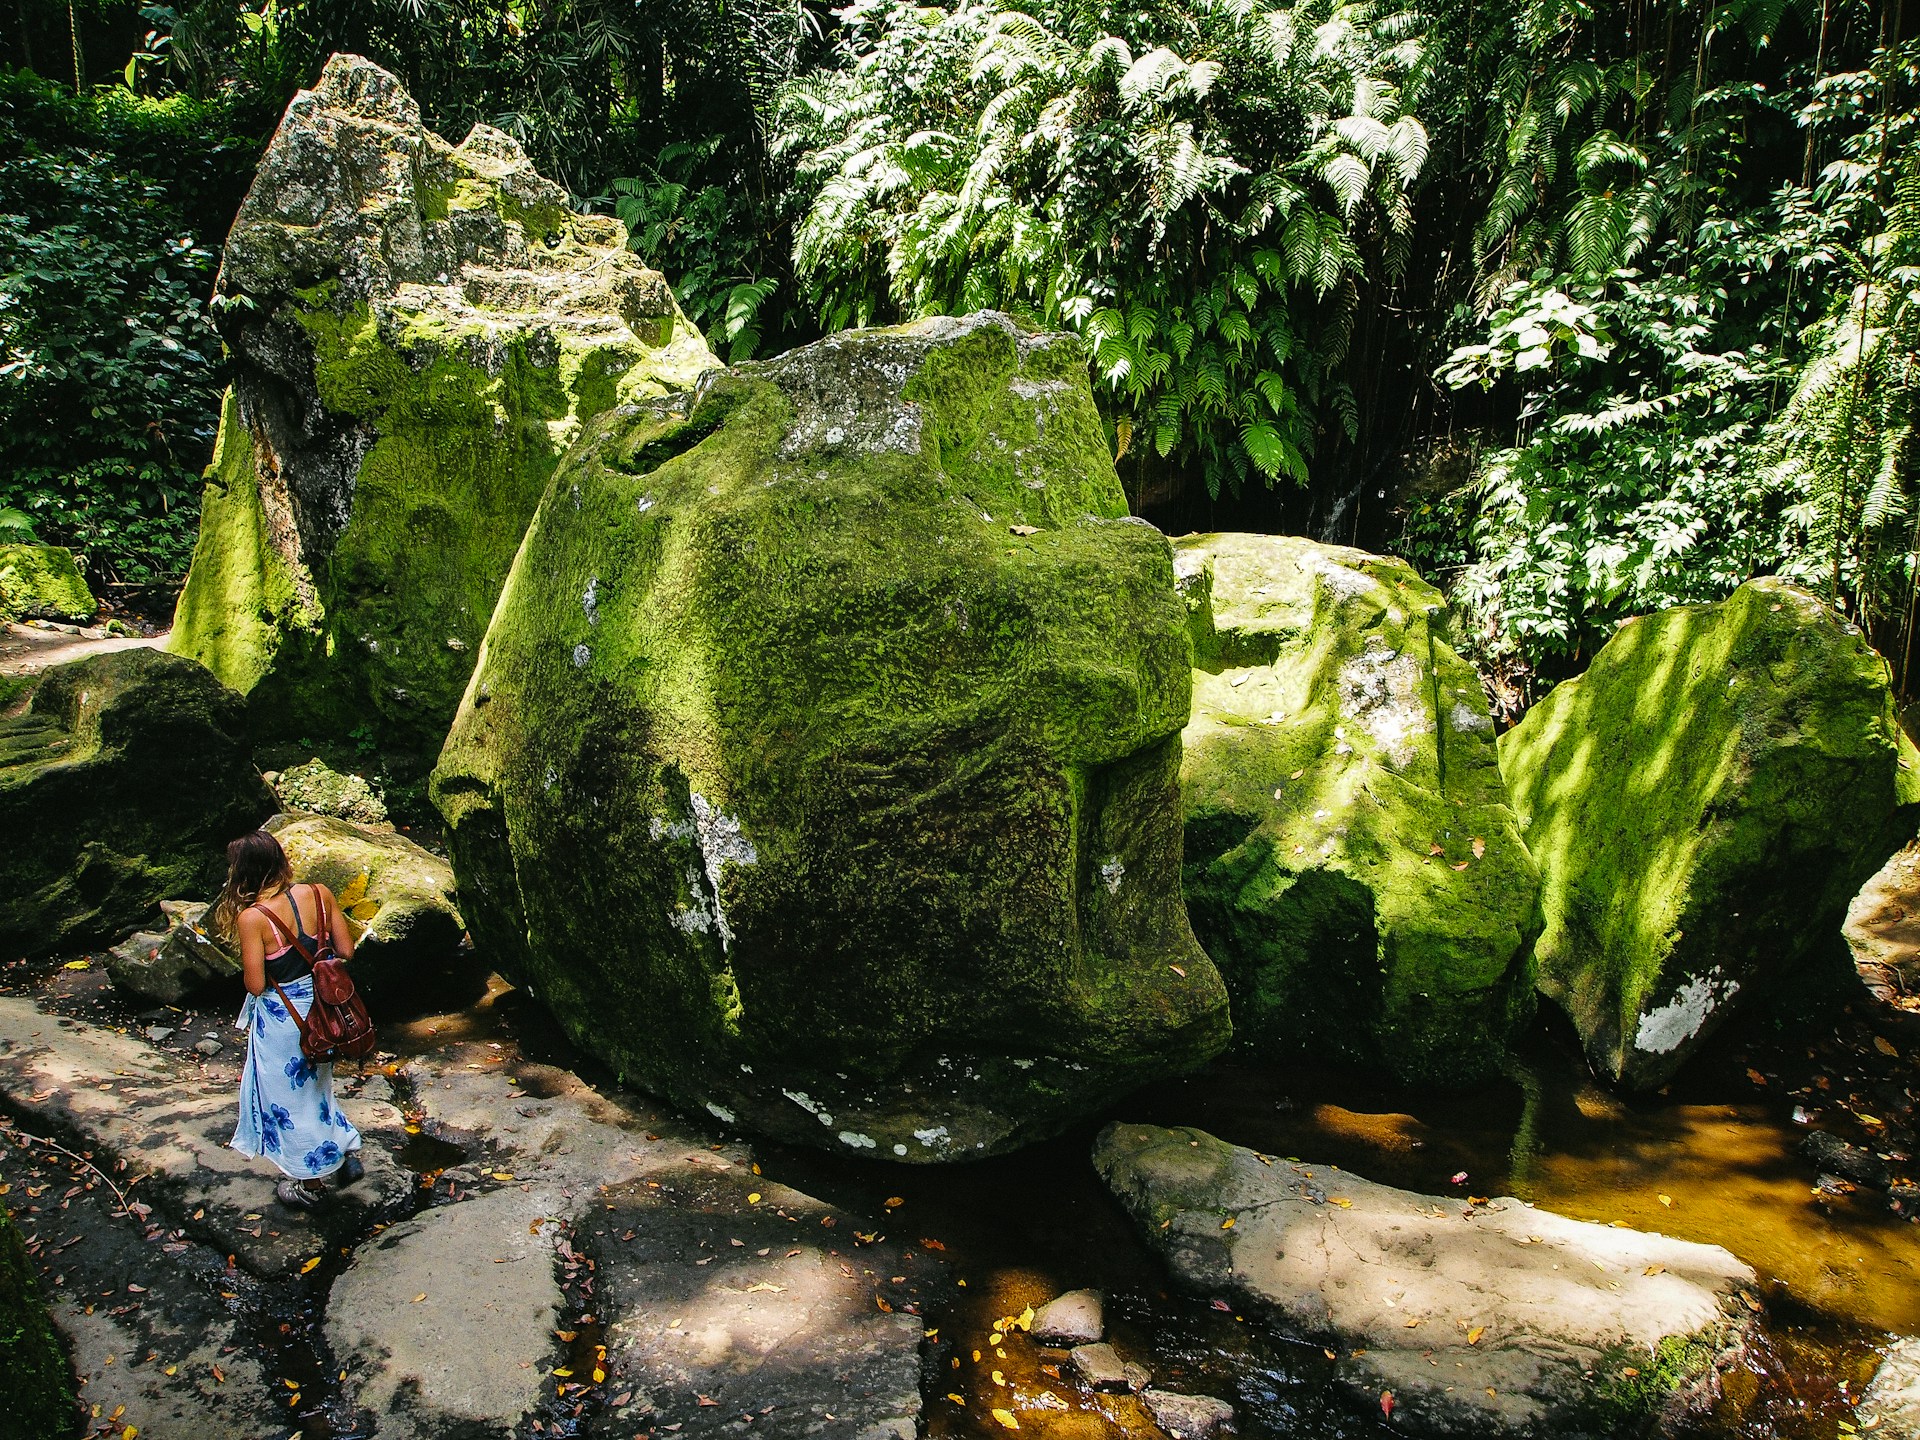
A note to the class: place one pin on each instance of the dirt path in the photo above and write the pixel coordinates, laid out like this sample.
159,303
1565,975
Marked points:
27,649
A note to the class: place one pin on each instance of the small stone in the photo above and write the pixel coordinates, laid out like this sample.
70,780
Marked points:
1187,1417
159,1033
1101,1368
208,1047
1075,1318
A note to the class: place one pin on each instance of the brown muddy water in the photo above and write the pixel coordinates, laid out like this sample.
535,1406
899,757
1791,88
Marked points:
1716,1159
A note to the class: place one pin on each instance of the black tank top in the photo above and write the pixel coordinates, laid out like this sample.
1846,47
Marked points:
287,964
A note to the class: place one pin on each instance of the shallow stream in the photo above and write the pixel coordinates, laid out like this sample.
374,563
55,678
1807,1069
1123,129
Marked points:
1716,1159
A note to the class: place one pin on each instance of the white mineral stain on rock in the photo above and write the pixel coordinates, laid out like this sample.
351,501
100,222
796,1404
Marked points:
721,843
581,655
1469,721
1113,872
1385,693
720,1113
590,602
858,1141
899,1149
1664,1030
933,1136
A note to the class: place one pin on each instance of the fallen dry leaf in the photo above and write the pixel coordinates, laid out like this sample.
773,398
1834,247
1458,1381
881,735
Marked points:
1473,1335
1024,529
311,1264
1005,1417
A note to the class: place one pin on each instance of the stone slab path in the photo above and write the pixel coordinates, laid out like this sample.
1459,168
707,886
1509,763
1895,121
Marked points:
589,1255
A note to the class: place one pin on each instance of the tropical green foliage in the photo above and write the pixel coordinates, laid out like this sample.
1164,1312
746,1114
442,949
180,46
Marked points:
109,370
1203,190
1656,245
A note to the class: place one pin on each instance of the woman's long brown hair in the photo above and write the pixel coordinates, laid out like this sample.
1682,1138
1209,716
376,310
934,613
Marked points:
255,863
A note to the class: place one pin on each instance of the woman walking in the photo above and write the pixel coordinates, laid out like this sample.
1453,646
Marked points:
287,1110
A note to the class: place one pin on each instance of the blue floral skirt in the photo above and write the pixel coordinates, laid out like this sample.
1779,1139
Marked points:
287,1112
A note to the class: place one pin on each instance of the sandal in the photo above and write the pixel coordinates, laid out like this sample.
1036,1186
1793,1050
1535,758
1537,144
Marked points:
295,1196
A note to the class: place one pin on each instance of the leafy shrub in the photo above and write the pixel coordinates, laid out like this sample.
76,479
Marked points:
110,372
1203,190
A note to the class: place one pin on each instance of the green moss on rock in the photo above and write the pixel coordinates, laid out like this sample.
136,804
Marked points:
121,782
1352,864
1703,803
41,582
398,897
852,699
35,1379
425,328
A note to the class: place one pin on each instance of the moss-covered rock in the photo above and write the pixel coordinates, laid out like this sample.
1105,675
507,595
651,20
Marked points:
1352,864
41,582
121,782
319,789
821,763
418,329
35,1379
398,897
1703,802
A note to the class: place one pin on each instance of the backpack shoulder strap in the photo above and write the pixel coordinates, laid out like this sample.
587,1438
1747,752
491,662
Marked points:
293,940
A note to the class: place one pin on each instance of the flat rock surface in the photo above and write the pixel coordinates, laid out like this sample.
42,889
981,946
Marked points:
434,1314
1483,1319
574,1228
144,1315
171,1122
1890,1408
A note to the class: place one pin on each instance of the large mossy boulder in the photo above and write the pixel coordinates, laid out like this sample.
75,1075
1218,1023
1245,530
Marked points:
35,1380
1703,803
417,330
1352,864
41,582
821,765
122,778
397,896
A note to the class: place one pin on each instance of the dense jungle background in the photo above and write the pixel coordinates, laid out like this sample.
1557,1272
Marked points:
1585,309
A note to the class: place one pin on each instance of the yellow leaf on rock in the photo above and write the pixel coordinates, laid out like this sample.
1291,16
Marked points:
998,1378
1885,1046
1479,848
311,1264
894,1202
564,1373
957,1399
1228,1223
418,1298
1005,1417
1655,1269
1025,1320
1666,1200
501,1175
1342,1202
1473,1335
79,965
598,1375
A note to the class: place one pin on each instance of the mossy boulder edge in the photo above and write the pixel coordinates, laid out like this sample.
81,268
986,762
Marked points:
1352,864
122,779
418,330
42,582
1703,803
852,697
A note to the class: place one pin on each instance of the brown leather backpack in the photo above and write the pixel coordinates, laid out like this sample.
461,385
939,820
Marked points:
337,1026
